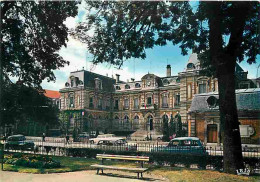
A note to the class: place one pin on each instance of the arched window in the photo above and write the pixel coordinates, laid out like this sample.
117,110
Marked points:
126,119
137,85
150,122
165,116
67,84
166,82
118,87
190,66
136,122
178,80
127,87
212,102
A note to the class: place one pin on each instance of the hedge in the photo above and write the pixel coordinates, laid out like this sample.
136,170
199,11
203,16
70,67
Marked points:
164,158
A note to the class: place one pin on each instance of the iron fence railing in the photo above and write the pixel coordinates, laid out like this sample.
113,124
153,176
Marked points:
61,147
57,146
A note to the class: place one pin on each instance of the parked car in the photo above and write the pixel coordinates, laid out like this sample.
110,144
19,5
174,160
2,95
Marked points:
188,145
19,142
115,144
100,137
83,137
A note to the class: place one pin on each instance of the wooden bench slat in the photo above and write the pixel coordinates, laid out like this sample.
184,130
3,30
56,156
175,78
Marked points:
123,158
108,155
119,168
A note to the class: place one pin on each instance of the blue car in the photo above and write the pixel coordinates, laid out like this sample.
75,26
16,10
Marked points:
182,145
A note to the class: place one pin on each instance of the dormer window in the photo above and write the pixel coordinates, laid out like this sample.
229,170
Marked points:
118,87
178,80
72,82
137,85
127,87
212,102
98,83
67,84
166,82
80,82
190,66
76,81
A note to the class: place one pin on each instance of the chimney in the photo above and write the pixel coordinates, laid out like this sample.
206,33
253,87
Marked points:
132,79
117,78
168,70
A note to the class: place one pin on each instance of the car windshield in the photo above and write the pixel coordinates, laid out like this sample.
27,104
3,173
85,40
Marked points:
21,138
184,143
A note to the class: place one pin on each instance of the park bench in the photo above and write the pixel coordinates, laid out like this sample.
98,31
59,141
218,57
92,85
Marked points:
103,157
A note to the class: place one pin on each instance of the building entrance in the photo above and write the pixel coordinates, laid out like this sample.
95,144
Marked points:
212,132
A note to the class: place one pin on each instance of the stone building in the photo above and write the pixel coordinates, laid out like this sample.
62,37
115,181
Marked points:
205,121
91,101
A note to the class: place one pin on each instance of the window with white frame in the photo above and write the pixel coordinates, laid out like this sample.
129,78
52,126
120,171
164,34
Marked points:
177,99
149,101
126,103
202,88
164,101
136,103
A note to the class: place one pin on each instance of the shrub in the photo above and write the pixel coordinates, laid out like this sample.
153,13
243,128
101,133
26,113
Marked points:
34,161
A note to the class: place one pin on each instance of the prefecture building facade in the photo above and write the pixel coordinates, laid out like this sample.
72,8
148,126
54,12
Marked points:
90,101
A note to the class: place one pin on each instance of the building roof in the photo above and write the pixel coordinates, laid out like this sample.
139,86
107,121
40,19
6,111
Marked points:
247,100
52,94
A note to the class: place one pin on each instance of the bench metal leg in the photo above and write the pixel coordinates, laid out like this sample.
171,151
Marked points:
97,171
102,171
138,175
141,175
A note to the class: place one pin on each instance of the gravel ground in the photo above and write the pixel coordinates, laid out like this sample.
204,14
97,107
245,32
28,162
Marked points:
82,176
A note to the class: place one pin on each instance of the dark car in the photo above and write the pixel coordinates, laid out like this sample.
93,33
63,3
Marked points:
188,145
19,142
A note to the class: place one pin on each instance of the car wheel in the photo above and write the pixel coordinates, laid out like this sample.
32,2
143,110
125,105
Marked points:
159,138
91,142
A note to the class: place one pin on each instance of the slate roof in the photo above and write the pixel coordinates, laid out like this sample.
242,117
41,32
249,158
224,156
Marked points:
88,80
247,100
107,82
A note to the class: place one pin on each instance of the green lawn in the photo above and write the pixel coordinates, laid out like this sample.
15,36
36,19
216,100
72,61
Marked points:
69,164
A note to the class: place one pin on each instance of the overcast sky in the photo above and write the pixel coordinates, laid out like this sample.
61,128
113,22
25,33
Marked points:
155,62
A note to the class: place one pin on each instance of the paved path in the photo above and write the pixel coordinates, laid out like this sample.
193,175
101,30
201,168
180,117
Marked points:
82,176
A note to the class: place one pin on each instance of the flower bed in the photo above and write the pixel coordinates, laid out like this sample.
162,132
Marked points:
33,161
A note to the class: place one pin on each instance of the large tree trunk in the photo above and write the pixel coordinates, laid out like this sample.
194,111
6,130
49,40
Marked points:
224,61
233,159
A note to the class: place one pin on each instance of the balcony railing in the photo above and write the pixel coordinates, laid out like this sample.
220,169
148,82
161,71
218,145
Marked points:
126,107
136,108
147,106
165,105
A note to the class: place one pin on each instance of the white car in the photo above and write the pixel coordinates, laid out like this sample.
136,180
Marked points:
101,137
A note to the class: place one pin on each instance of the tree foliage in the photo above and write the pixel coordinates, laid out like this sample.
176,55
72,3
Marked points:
126,29
222,33
22,103
32,32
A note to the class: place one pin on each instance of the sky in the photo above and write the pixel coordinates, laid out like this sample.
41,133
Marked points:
155,62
